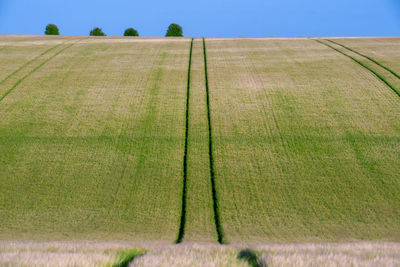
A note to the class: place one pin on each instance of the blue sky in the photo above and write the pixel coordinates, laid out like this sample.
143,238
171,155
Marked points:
205,17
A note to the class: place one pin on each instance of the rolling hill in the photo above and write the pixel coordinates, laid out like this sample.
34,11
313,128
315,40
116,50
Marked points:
218,140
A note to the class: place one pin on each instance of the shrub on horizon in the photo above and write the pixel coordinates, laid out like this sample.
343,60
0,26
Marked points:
174,30
97,32
52,29
131,32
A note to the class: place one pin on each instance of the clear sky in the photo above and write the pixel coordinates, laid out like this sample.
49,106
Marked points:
205,17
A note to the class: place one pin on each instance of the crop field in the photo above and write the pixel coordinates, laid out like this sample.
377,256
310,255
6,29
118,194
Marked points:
239,141
309,149
90,137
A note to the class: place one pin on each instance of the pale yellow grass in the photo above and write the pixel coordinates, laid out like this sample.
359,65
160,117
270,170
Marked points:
331,254
199,254
108,40
254,38
310,254
190,254
60,253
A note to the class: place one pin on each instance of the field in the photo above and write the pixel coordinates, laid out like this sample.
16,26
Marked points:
198,254
145,142
309,150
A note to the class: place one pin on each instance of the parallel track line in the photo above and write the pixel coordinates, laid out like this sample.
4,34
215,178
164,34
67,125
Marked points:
367,57
32,71
380,77
220,234
181,232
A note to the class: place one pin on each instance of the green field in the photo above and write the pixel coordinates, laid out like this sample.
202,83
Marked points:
307,143
271,139
92,142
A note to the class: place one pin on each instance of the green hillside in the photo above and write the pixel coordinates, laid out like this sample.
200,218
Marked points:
164,139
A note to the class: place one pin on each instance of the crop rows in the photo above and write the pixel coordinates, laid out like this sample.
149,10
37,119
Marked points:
305,143
211,152
372,70
33,70
369,58
215,140
80,139
184,187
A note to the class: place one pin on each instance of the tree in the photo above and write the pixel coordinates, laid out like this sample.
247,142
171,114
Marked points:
52,29
97,32
174,30
131,32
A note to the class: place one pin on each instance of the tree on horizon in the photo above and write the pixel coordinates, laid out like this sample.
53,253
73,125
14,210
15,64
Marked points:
51,29
174,30
131,32
97,32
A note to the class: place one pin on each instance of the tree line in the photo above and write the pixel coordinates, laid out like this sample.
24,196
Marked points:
173,30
